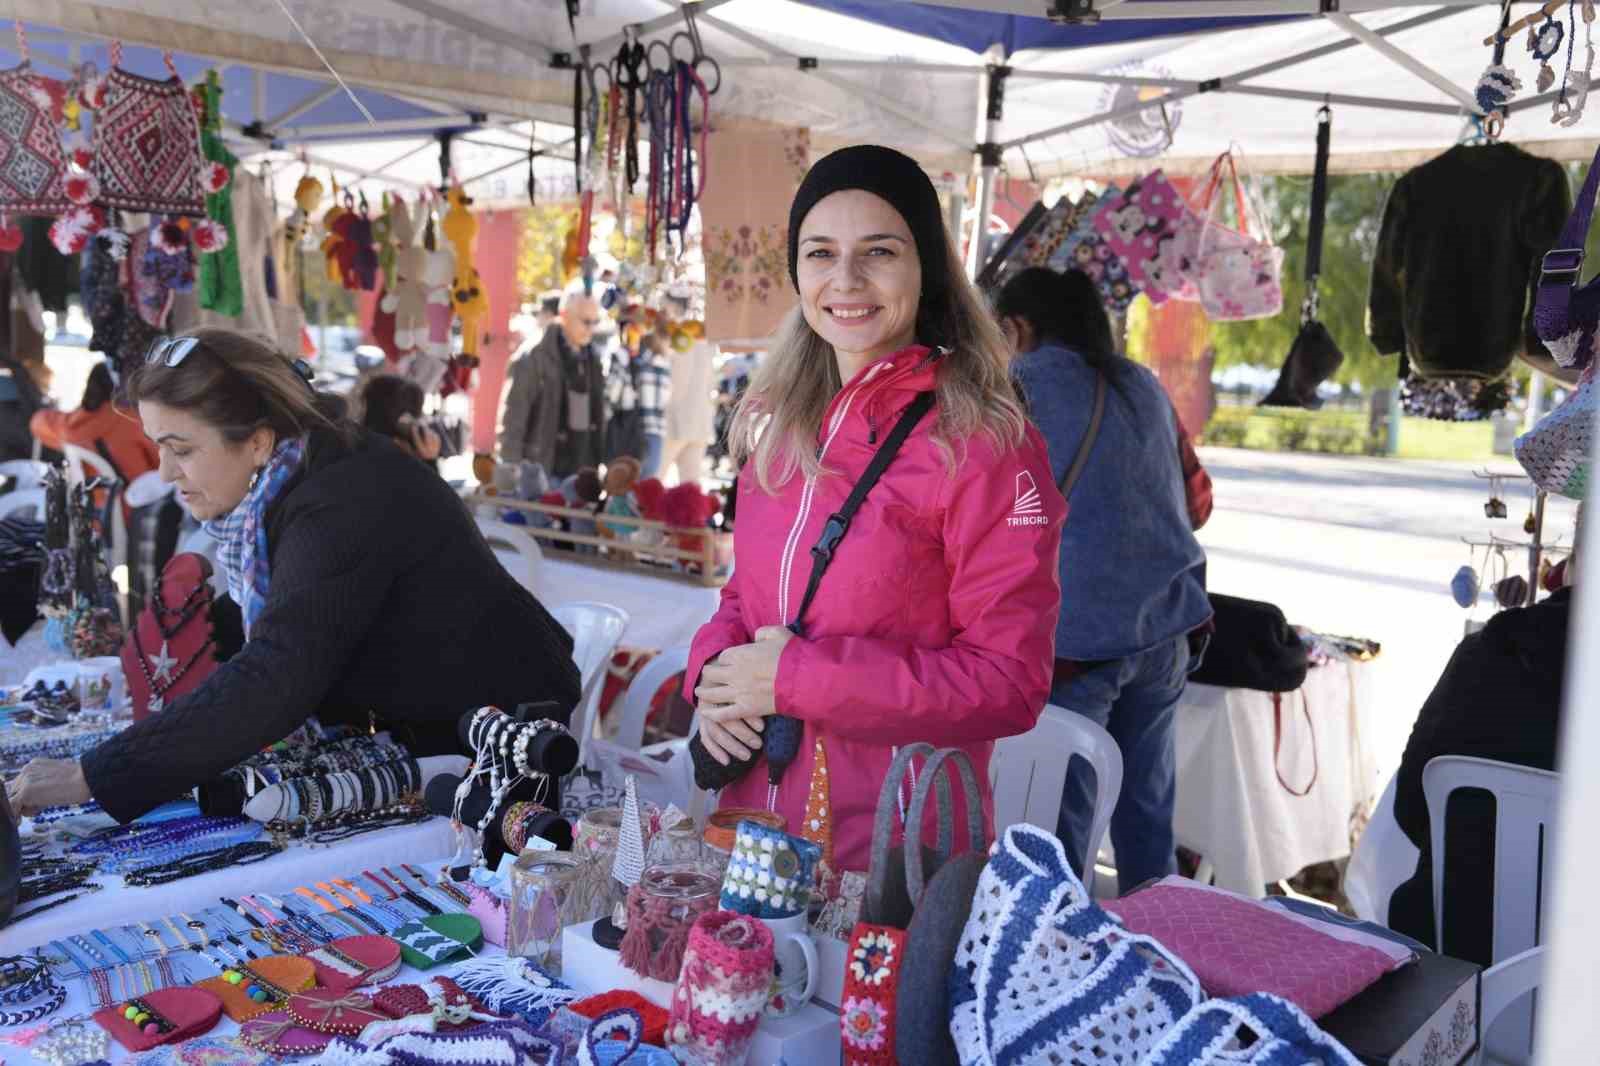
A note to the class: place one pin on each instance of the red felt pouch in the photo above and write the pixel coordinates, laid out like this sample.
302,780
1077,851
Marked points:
164,1016
353,961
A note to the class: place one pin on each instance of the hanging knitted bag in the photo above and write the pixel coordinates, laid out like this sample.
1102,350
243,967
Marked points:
33,160
1556,452
1240,271
1043,974
147,145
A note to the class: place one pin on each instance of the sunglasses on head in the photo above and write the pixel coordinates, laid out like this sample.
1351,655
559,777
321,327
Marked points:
172,351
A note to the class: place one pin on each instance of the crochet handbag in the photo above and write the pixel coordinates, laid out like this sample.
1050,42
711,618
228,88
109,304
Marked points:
1254,1030
1556,452
877,946
1043,974
1239,272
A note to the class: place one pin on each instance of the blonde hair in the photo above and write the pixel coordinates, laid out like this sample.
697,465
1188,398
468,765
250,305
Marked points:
779,418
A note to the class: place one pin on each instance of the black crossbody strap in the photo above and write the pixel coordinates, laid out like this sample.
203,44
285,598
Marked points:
838,523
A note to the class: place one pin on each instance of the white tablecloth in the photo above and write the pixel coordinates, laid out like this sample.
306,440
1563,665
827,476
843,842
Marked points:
662,612
422,845
1231,807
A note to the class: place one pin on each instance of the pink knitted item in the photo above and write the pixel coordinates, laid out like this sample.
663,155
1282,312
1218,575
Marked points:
722,990
658,928
1237,946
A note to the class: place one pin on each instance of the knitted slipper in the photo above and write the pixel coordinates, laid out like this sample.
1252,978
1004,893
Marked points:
353,961
164,1016
261,985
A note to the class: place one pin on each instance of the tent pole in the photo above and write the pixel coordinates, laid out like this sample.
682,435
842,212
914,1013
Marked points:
991,108
1403,59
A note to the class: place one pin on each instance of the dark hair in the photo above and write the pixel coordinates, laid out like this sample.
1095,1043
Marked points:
385,398
238,384
1062,307
98,389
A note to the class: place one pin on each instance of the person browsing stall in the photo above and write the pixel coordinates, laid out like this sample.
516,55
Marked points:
935,619
1132,572
364,586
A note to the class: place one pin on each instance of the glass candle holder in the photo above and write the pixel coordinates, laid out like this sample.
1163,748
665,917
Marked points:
544,891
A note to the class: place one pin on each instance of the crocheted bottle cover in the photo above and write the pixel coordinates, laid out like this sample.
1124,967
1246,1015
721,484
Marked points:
867,1008
770,873
722,991
658,929
1043,973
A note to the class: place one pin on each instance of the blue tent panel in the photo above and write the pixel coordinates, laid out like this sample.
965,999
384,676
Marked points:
976,30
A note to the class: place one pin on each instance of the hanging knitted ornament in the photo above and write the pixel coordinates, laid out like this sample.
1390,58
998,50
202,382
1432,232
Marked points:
78,149
91,88
70,232
82,188
1544,43
214,177
722,989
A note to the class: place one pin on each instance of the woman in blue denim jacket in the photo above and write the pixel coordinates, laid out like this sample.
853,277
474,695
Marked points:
1132,573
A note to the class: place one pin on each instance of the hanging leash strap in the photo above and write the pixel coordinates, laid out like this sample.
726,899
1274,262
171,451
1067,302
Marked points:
1319,216
1277,743
838,523
1079,461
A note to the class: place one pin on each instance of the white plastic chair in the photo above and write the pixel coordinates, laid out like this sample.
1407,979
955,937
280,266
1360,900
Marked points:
505,537
596,628
1525,802
28,472
662,771
1028,774
28,503
1383,860
1499,987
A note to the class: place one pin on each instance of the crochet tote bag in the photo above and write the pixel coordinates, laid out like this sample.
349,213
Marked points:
1239,272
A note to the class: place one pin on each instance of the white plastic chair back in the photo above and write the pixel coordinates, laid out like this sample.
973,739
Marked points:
26,503
664,778
1499,987
1028,774
83,464
1383,860
506,540
1525,802
28,472
596,628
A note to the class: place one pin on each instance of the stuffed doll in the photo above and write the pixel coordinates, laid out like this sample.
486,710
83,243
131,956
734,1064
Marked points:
689,509
648,493
471,303
438,271
581,491
333,230
621,476
410,296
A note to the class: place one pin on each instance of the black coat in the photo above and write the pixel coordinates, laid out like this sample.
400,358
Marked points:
385,601
1457,263
1499,698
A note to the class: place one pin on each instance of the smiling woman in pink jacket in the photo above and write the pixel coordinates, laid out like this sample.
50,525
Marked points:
935,620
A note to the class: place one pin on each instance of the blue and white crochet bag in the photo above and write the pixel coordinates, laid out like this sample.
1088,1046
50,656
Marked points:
1043,975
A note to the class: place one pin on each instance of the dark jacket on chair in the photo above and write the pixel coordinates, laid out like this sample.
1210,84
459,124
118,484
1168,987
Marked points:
1499,698
385,602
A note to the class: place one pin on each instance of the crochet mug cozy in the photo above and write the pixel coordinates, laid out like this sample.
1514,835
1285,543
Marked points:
722,989
770,873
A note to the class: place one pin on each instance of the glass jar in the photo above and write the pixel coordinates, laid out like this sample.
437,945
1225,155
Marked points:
543,894
681,844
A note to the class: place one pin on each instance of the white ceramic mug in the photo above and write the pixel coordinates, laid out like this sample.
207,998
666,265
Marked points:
101,686
793,949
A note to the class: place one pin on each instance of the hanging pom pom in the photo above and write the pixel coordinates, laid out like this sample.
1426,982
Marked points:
169,238
92,93
70,233
82,188
78,149
209,235
214,177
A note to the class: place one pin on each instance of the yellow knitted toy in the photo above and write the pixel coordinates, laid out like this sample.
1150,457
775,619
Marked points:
466,290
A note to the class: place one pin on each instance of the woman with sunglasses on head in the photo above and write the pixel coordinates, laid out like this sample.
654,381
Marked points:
364,585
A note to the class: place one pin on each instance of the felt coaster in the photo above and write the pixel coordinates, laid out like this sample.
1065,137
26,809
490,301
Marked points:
261,985
277,1033
335,1013
438,939
353,961
653,1019
164,1016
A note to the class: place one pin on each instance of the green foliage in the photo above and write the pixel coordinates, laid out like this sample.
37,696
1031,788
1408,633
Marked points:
1355,212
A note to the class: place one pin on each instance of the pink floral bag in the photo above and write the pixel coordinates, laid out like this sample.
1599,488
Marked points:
1239,272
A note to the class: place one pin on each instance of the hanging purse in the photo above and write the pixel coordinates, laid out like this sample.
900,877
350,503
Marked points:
1134,224
1314,356
781,737
1556,453
1240,271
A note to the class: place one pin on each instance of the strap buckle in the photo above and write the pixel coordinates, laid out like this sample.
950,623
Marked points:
1562,264
832,533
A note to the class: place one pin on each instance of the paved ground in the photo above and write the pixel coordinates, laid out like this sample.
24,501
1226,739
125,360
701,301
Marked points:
1363,547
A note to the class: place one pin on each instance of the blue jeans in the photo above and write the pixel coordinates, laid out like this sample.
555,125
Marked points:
1134,699
650,461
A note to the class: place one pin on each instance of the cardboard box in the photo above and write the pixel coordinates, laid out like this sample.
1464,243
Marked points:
1426,1012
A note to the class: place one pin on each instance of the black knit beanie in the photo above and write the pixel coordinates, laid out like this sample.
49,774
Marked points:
896,178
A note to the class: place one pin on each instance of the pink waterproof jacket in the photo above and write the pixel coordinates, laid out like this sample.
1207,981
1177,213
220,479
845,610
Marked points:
935,622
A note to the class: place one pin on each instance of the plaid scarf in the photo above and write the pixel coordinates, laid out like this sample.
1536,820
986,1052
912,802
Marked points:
241,534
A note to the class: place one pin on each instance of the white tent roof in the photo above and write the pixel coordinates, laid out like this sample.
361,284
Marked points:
487,64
